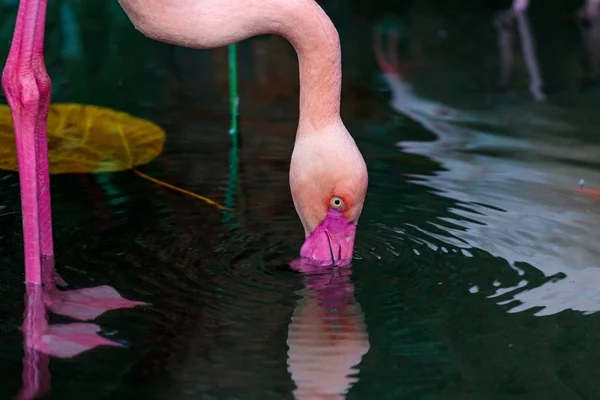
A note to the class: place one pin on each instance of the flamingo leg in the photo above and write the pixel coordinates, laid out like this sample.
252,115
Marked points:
384,64
28,88
528,49
520,5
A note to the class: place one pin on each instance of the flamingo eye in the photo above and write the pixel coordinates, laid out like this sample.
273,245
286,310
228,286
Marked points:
337,203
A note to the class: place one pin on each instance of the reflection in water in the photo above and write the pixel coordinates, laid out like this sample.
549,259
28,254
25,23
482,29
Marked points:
36,375
513,208
60,340
42,339
327,337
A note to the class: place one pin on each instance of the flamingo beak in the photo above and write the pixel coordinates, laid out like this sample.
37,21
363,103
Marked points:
332,242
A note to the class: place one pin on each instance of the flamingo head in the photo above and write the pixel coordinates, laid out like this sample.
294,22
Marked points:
328,181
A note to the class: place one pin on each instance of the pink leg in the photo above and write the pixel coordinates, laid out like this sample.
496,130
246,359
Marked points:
529,54
591,7
520,5
385,66
28,89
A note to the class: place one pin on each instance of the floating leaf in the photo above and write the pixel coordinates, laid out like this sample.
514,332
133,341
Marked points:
84,139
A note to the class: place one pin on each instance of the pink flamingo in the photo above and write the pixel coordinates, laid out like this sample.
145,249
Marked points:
328,175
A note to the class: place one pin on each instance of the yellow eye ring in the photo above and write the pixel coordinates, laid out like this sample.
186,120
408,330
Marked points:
336,202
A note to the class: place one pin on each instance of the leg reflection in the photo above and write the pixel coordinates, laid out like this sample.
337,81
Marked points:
42,339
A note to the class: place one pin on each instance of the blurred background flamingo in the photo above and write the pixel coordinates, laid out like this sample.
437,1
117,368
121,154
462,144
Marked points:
473,175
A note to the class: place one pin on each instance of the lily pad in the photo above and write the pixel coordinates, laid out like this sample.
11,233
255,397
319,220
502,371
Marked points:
84,138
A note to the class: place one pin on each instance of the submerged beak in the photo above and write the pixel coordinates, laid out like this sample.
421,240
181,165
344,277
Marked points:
332,242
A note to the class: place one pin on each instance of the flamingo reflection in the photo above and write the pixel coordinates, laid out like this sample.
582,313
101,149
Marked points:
327,337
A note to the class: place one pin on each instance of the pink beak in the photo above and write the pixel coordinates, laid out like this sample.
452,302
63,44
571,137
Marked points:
332,242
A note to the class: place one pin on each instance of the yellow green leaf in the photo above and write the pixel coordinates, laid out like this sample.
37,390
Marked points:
84,138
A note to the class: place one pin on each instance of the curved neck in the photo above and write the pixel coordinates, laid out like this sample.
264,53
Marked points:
207,24
317,44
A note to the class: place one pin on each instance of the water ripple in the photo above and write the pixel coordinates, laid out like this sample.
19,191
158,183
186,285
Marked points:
533,213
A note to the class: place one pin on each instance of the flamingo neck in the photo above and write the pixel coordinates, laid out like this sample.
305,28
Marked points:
317,44
207,24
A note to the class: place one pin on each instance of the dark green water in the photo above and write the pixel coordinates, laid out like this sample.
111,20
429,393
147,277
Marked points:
477,266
